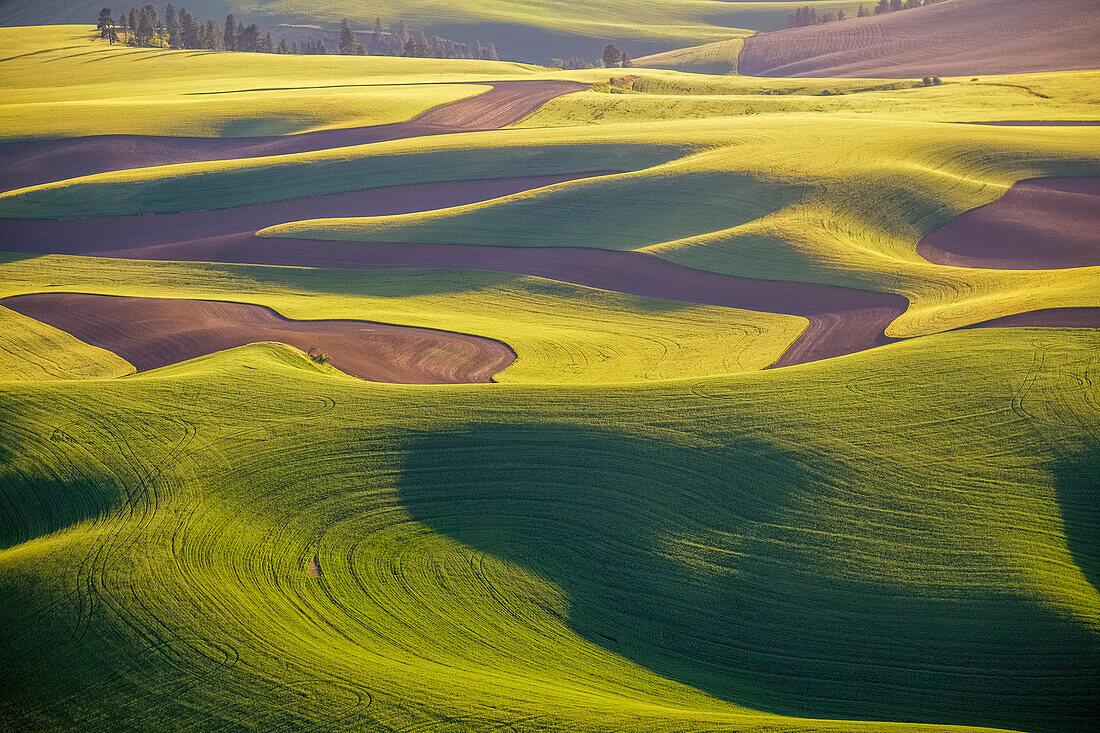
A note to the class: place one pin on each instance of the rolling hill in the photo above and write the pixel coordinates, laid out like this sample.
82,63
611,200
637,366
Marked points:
532,30
370,393
952,38
956,37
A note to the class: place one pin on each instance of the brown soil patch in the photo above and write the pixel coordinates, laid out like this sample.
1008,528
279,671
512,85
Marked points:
842,320
1047,318
1038,224
41,161
152,332
945,39
155,332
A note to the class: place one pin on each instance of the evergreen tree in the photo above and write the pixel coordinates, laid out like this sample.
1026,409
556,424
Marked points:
214,38
399,39
347,38
376,44
283,47
862,13
267,45
417,46
230,39
249,39
175,33
146,28
895,5
882,7
612,56
188,30
105,22
154,20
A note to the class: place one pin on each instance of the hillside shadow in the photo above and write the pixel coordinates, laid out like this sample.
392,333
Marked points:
707,566
50,499
1078,487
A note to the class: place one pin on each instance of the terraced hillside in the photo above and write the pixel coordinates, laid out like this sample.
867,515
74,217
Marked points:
378,394
951,38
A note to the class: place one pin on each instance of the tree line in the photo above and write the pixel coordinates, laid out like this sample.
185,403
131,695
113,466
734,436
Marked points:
143,27
397,40
808,15
613,57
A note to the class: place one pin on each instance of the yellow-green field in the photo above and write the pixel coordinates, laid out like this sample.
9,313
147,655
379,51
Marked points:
522,29
100,89
639,526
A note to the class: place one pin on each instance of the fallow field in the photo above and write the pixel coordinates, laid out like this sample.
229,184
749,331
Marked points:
399,394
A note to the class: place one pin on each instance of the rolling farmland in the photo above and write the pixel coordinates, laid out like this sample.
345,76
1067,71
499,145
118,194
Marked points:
402,394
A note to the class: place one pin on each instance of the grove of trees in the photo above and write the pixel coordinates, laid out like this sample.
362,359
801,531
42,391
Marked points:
143,27
614,57
398,41
808,15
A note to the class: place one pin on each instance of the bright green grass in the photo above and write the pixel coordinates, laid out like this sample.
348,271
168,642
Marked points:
1073,95
907,534
841,201
789,185
30,350
841,539
562,334
56,82
240,182
719,57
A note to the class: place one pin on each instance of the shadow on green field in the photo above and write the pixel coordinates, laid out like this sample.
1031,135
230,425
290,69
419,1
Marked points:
715,566
398,283
1078,485
35,503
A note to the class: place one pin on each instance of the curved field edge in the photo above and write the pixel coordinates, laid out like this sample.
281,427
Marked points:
1038,223
419,567
719,57
774,206
560,333
31,350
154,332
197,93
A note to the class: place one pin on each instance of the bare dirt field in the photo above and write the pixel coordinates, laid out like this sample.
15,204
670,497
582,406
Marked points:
156,332
1038,224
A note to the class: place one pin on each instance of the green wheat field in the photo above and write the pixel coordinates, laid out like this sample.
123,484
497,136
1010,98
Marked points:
745,380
